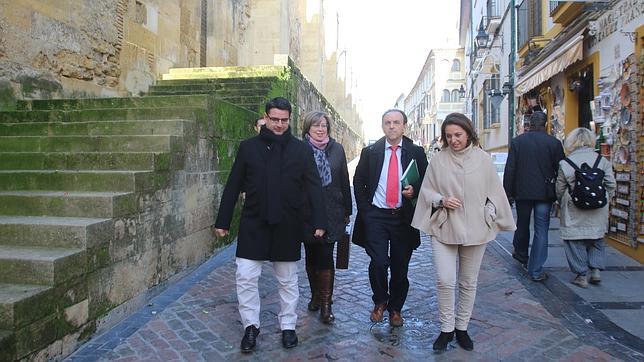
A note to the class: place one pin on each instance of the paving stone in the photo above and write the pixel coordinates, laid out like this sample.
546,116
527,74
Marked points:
509,322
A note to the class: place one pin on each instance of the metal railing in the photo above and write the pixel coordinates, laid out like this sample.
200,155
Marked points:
554,5
529,21
493,10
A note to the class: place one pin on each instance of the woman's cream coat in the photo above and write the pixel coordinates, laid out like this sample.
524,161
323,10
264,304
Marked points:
578,224
470,176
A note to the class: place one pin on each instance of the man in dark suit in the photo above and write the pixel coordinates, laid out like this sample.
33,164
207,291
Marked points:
529,179
385,211
278,174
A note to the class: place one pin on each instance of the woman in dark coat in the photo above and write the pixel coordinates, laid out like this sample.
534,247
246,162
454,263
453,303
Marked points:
332,167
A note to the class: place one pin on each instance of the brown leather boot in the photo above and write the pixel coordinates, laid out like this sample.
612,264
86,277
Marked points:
314,304
326,279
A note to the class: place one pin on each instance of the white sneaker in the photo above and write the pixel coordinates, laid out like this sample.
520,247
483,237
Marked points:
594,276
580,281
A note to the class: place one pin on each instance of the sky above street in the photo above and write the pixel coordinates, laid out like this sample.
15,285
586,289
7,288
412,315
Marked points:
387,43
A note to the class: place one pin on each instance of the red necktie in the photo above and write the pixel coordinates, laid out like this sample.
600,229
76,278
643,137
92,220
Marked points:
393,185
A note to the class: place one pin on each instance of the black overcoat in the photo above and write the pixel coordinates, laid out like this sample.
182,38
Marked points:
299,185
337,195
365,182
531,167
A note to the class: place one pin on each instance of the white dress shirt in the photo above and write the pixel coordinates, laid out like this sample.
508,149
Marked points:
380,197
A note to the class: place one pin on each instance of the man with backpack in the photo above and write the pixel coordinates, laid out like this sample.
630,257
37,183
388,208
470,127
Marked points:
529,179
585,183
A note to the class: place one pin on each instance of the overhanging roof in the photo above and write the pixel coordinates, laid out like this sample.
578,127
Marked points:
571,52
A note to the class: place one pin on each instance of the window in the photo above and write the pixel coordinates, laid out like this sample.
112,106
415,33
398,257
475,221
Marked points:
446,96
455,96
491,113
456,65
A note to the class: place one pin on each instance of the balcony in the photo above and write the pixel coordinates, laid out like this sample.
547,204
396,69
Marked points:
530,28
492,20
564,12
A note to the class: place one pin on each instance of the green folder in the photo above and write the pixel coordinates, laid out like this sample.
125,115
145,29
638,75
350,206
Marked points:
411,176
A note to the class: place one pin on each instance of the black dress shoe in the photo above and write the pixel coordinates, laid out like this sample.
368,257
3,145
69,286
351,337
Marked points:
464,340
250,339
289,338
440,345
521,259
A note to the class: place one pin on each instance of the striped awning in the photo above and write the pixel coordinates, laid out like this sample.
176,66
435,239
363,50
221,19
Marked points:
555,63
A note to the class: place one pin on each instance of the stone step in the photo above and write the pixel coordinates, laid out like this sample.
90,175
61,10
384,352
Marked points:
44,231
100,115
90,144
36,316
112,103
151,161
106,128
7,345
85,180
68,204
204,73
41,266
234,83
221,89
252,70
19,304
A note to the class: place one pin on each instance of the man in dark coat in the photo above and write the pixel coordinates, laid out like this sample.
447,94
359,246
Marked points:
278,174
385,212
529,179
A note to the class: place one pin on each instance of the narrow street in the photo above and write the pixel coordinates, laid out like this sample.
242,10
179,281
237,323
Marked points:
196,319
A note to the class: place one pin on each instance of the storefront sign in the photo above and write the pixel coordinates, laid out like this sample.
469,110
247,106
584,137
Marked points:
616,18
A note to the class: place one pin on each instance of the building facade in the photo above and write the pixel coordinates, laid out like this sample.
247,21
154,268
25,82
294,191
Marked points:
579,62
436,93
113,48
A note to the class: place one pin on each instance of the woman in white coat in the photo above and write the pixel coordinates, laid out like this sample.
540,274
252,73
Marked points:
583,230
462,185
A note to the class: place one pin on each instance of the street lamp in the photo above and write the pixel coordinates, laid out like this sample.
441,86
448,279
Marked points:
506,88
461,91
481,38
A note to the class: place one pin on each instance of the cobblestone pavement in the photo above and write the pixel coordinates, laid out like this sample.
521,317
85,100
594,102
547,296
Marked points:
197,320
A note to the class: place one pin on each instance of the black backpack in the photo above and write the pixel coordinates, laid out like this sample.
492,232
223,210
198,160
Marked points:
589,191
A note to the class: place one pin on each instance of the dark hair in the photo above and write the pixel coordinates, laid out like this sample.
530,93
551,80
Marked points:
462,121
395,110
538,120
312,118
279,103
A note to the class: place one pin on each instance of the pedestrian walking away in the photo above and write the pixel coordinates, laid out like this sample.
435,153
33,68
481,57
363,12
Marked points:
529,180
385,211
278,173
462,206
331,163
583,229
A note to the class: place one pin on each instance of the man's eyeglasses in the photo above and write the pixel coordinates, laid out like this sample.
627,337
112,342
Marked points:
279,120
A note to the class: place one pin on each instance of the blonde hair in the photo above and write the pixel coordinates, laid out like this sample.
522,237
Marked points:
312,118
578,138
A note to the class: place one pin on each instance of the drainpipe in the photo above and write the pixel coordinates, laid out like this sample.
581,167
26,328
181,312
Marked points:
513,47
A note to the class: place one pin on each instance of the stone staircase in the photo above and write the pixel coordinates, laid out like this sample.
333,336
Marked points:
68,170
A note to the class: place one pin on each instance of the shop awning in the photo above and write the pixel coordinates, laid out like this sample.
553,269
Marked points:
560,59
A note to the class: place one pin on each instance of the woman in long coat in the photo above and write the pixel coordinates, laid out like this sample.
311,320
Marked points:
331,163
583,230
461,183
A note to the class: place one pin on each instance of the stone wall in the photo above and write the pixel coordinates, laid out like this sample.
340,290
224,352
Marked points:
99,48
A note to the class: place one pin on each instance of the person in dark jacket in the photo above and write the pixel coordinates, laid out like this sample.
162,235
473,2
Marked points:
277,171
334,175
529,180
385,211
